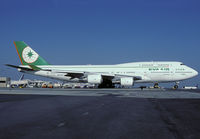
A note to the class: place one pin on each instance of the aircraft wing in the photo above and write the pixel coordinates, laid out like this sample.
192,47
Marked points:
135,77
79,74
72,74
112,76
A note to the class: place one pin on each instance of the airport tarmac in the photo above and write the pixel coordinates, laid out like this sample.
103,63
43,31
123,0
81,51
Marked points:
99,113
135,92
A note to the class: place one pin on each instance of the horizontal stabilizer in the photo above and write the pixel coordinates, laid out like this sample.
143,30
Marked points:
18,67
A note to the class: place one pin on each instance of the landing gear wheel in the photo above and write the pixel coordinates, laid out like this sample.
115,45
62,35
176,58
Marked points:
156,85
106,84
176,86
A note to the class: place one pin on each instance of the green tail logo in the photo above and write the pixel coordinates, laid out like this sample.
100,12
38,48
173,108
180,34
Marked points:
27,55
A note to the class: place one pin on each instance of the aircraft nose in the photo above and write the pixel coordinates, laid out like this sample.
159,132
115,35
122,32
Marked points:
195,73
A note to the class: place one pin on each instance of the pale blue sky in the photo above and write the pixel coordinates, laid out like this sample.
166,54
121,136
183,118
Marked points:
101,32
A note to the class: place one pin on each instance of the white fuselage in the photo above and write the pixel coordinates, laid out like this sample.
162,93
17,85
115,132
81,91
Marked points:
149,72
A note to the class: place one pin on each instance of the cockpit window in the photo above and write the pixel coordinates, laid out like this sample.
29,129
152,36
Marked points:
182,64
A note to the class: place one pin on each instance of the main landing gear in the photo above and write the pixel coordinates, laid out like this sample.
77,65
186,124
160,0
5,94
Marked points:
156,85
106,84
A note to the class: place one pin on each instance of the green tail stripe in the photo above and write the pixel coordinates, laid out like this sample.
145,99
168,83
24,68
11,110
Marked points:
37,60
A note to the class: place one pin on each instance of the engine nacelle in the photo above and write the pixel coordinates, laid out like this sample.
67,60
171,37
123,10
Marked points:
127,81
95,79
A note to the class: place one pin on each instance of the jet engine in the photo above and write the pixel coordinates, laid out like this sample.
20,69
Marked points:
95,79
127,81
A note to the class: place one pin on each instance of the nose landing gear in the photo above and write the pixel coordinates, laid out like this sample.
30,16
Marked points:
176,85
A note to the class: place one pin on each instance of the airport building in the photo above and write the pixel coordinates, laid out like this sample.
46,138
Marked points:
4,81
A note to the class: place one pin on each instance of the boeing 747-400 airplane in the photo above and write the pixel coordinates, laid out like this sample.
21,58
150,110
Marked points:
106,76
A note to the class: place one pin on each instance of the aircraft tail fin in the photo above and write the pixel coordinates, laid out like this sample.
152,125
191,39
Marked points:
27,55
